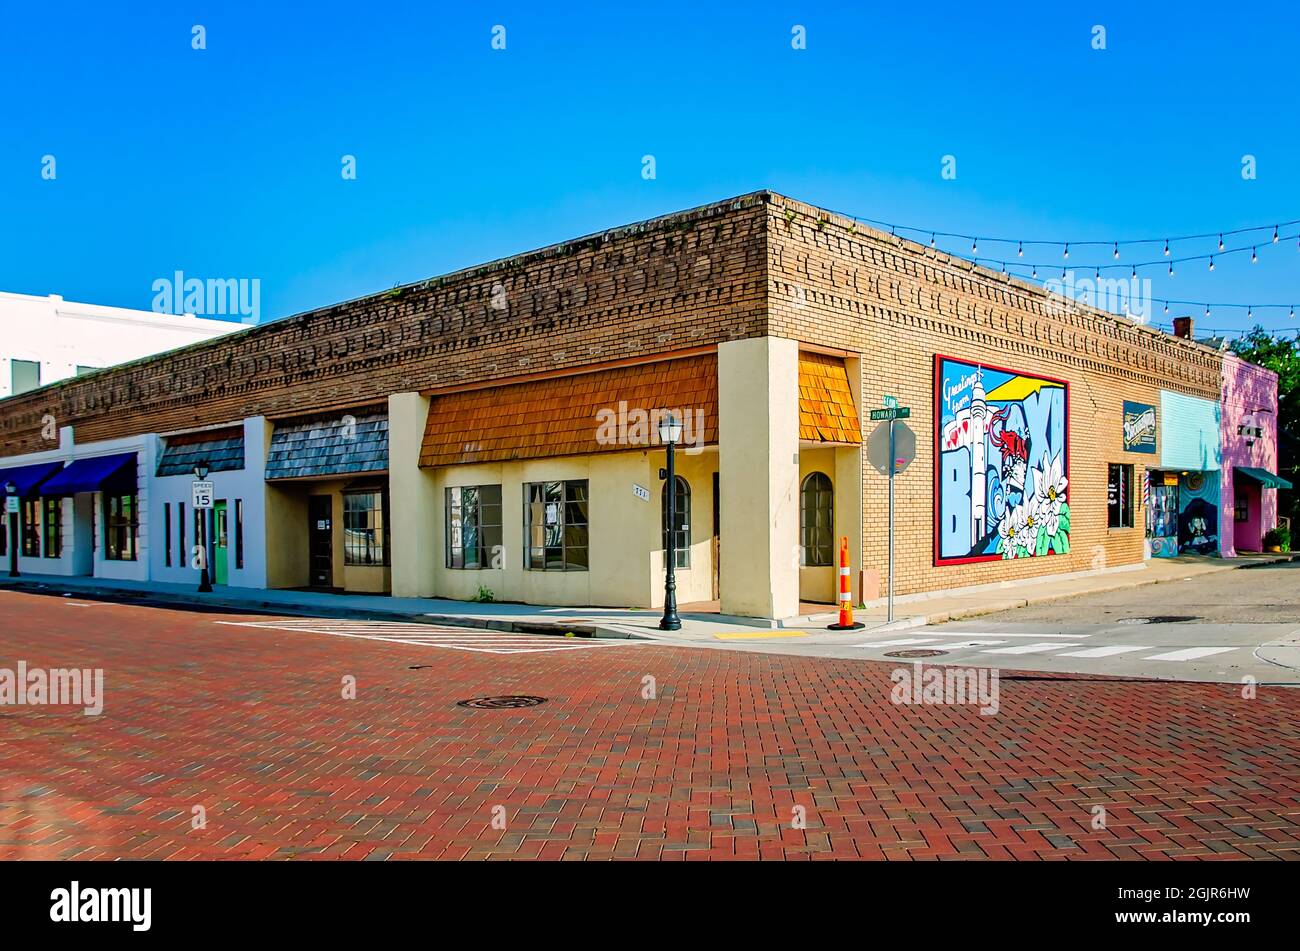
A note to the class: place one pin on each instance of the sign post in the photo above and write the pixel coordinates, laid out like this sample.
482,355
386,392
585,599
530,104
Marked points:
11,513
891,449
201,492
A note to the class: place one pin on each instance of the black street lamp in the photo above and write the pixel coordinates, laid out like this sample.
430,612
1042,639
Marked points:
205,583
670,433
11,492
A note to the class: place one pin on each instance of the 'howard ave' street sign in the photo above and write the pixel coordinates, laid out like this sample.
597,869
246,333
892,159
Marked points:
892,412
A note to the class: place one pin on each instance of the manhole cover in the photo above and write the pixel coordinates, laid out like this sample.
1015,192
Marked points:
918,652
1158,619
501,703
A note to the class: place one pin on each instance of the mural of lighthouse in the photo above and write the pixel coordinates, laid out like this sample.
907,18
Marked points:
1002,472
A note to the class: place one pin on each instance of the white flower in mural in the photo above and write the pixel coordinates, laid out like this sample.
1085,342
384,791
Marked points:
1029,519
1051,480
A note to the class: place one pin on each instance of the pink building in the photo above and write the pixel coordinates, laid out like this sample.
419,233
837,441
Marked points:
1249,477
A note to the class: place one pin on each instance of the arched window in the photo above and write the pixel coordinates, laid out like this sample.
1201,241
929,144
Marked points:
682,539
817,521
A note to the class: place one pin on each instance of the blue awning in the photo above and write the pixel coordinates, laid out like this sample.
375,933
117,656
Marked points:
89,475
1265,478
26,478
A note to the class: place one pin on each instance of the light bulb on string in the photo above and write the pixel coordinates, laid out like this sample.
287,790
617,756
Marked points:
1116,250
1207,311
975,246
1020,249
1254,258
932,239
1250,313
1220,242
1067,249
1166,247
1275,234
1171,268
1035,270
1135,273
1211,262
1166,307
1097,276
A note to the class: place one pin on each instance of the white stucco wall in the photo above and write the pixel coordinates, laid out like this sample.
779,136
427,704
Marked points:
61,335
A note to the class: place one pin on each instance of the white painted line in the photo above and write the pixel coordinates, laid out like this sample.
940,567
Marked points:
1064,637
1108,651
972,643
1190,653
896,643
1029,648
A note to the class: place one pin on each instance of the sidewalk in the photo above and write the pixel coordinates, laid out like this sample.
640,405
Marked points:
911,611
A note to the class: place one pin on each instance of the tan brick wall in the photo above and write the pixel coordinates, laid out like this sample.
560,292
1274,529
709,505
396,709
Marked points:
834,284
689,279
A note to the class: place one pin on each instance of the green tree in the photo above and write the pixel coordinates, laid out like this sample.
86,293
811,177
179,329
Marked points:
1282,356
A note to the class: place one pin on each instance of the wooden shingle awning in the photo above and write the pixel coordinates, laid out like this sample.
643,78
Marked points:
826,410
607,410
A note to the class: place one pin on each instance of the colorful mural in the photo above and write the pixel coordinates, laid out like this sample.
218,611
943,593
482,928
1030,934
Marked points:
1003,467
1198,513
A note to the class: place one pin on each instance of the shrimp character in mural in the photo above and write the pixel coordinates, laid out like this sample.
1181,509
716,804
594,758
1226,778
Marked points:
1013,446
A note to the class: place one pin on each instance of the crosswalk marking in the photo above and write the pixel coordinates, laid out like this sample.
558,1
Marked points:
1190,653
899,642
1108,651
1000,634
1028,648
425,635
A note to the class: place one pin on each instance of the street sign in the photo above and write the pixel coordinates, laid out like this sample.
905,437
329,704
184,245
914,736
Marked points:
892,412
11,504
878,447
891,447
891,402
202,494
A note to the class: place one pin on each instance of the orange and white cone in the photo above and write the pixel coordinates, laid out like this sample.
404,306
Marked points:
846,622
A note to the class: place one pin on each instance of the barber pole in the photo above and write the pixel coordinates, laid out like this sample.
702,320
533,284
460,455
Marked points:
846,622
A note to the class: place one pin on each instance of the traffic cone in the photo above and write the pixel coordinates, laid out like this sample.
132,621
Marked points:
846,622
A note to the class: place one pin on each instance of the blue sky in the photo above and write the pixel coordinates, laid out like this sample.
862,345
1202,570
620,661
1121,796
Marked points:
225,162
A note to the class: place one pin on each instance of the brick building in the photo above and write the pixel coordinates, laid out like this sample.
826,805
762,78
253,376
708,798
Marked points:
495,428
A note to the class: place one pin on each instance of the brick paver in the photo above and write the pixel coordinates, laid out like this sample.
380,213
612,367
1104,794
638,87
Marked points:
250,725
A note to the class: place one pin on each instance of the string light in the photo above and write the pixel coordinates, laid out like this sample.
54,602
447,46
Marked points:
975,246
1254,258
1166,247
1116,250
1020,249
1171,268
1220,242
1212,261
932,239
1067,249
1275,234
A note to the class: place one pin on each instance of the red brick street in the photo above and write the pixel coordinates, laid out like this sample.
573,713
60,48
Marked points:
250,724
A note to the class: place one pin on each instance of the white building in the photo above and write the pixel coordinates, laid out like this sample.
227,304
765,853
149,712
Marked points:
47,339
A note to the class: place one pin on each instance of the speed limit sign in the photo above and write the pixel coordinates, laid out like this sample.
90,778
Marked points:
202,493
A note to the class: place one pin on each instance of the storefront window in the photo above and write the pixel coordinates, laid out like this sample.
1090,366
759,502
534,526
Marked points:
555,526
121,522
1119,497
473,526
682,517
816,521
53,527
365,534
31,528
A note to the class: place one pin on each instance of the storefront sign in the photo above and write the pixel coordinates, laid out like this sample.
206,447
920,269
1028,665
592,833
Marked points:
1139,427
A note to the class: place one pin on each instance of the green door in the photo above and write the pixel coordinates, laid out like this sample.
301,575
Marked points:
220,575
